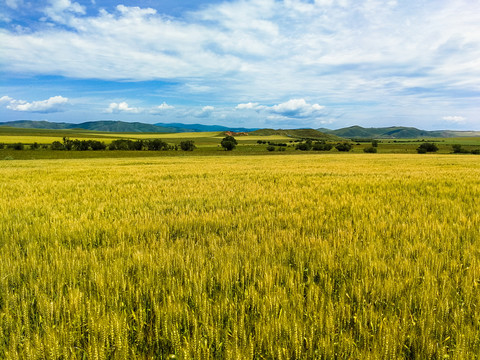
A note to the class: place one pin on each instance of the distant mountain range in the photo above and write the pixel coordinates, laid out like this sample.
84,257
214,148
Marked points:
394,132
121,126
352,132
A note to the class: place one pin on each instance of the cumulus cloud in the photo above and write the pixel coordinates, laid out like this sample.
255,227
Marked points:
455,119
205,112
160,109
51,105
248,106
6,99
293,108
61,10
165,106
296,108
368,53
122,107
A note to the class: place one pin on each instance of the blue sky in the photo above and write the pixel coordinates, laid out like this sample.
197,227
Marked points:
252,63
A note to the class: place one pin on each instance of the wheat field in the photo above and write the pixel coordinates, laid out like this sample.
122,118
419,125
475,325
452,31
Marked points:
334,256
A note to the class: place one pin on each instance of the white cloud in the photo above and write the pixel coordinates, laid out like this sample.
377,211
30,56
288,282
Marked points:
14,4
386,55
6,99
206,111
296,108
195,88
165,106
62,10
123,107
161,109
455,119
116,108
293,108
53,104
248,106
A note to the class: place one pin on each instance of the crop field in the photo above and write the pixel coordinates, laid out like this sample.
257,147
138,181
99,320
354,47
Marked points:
10,135
43,136
207,143
312,256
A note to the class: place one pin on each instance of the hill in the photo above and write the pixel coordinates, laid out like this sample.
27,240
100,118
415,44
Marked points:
202,128
108,125
296,133
394,132
29,124
121,126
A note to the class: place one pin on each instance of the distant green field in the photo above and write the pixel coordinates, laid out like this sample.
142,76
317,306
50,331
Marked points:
207,143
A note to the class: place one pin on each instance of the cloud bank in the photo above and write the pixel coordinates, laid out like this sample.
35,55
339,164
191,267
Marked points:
123,107
366,59
51,105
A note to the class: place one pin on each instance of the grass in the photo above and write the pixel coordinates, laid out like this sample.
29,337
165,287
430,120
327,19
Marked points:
207,143
307,256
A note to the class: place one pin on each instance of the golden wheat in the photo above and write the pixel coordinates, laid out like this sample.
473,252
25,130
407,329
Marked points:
246,257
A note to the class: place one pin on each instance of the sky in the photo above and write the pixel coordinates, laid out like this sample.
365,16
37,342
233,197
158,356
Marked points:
243,63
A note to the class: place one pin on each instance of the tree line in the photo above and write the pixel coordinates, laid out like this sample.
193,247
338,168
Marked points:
121,144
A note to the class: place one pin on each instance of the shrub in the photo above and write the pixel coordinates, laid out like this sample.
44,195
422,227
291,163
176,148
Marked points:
81,145
375,143
321,146
276,144
156,145
427,147
344,147
457,149
16,146
57,145
187,145
229,143
121,145
476,152
97,145
270,148
303,147
2,146
370,150
35,146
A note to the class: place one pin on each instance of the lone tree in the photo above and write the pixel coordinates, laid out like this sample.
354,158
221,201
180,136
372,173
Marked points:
427,147
229,143
187,145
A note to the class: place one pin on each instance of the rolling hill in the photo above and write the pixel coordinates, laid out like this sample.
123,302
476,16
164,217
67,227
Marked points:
395,132
110,126
296,133
121,126
202,128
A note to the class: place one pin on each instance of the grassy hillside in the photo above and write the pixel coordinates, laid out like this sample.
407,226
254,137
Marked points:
29,124
108,126
395,132
121,126
180,127
295,133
